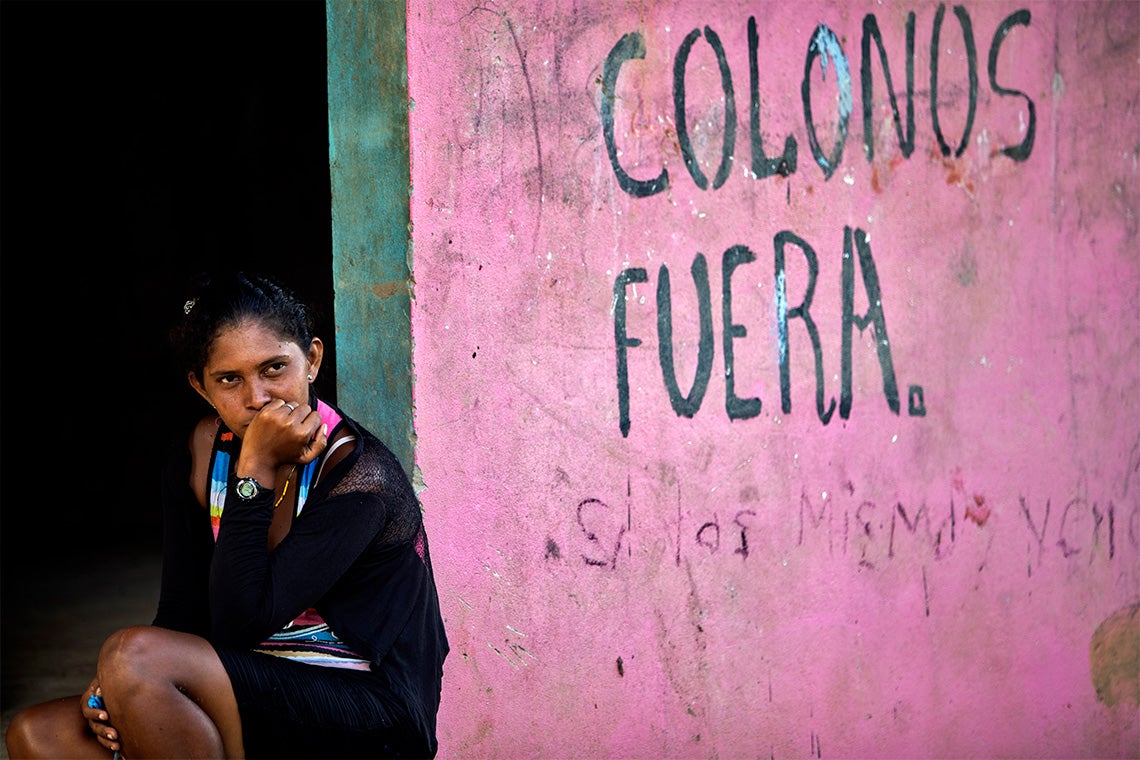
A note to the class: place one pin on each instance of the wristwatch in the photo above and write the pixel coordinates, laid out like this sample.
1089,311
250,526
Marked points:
248,489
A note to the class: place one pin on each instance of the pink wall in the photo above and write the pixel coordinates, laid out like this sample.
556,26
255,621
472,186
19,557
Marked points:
955,576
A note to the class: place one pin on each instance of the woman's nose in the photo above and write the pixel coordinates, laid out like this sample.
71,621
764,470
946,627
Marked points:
259,395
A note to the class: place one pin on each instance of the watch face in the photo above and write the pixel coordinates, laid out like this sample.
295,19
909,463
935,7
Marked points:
247,488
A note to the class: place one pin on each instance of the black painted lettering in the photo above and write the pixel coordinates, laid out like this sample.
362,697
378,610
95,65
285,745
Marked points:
737,408
623,342
729,146
825,46
972,66
916,402
685,406
802,311
874,317
1021,151
762,166
871,34
628,47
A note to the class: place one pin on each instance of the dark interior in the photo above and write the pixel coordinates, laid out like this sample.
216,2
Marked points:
140,143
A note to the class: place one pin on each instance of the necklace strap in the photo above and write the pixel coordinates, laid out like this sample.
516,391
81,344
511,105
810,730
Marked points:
285,488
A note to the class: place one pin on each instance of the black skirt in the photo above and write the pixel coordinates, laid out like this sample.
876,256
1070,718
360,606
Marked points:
297,710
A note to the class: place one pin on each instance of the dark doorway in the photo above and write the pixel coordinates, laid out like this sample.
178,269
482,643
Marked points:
140,142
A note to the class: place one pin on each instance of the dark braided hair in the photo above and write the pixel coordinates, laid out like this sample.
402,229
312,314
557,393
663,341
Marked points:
218,302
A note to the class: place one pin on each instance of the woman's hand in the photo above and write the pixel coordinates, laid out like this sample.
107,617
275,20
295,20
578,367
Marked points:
281,433
98,719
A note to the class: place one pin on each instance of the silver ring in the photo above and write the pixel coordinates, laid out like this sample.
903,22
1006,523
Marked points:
291,407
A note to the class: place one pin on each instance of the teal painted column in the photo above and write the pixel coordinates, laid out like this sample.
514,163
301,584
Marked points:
369,166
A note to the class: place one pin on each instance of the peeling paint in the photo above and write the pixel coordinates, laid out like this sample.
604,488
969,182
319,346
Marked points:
388,289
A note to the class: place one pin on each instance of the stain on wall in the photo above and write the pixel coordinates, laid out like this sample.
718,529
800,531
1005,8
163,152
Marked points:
777,378
1114,655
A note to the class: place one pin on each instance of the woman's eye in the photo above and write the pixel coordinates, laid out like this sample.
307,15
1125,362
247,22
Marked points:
275,369
228,379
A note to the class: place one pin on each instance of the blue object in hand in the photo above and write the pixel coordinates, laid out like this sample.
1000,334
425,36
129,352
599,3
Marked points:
96,702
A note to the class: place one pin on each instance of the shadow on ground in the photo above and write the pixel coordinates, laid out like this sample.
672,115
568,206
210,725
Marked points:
55,614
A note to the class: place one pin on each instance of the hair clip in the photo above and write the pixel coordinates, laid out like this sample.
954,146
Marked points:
186,307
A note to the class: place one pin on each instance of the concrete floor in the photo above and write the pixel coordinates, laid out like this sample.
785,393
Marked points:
56,613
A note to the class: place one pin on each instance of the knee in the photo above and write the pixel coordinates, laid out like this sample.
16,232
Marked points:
19,735
27,733
127,655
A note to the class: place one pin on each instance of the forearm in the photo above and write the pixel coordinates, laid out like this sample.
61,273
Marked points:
241,594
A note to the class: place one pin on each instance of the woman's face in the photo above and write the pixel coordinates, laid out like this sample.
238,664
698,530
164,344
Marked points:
250,365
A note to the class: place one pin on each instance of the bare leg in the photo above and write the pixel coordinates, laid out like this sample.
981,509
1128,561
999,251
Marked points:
52,730
168,695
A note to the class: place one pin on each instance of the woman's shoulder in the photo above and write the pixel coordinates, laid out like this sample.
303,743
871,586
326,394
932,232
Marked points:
370,446
371,460
201,439
342,442
207,426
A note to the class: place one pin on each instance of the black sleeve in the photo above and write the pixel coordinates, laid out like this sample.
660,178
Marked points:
254,592
187,546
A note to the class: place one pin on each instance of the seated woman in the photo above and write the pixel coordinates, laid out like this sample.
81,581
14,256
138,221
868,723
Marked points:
298,614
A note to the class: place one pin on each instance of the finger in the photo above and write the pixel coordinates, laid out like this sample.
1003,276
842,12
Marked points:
104,733
93,708
287,406
321,436
310,425
316,444
94,716
111,744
